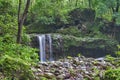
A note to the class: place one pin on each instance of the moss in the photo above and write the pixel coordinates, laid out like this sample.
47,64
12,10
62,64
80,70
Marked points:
72,44
70,31
88,42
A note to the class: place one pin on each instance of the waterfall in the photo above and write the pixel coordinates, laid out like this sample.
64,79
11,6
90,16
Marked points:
42,53
45,47
50,47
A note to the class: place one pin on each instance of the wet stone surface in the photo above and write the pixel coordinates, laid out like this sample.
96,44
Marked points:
76,68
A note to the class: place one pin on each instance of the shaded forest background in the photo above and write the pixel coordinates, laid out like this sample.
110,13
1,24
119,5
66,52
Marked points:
79,18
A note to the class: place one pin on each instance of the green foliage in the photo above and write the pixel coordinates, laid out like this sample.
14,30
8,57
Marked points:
46,16
43,78
47,13
16,61
118,51
70,31
113,60
101,9
89,42
95,30
110,58
112,74
69,57
8,28
69,43
104,9
25,39
7,7
8,23
79,55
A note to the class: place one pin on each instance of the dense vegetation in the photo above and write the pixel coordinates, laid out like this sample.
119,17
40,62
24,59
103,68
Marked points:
79,18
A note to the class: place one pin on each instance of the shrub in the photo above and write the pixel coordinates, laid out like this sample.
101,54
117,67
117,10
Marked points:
16,61
112,74
70,31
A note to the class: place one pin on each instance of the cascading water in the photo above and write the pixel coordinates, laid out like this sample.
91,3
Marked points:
50,47
42,53
45,47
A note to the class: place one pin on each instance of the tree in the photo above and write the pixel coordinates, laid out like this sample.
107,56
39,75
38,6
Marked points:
114,6
21,18
90,3
115,9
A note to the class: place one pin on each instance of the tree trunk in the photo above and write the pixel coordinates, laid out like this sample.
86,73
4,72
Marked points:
19,27
90,3
115,10
117,5
21,19
76,4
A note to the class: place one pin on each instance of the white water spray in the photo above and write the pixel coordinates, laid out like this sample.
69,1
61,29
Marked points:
45,53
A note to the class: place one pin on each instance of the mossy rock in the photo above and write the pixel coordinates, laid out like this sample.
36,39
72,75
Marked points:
81,15
89,47
68,45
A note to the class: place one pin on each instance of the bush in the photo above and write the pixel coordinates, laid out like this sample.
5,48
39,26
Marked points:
70,31
113,74
16,61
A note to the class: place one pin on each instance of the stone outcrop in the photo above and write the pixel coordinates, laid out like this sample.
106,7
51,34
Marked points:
67,45
89,47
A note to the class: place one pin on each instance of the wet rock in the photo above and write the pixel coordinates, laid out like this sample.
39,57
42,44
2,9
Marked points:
66,64
67,76
55,65
34,69
39,70
76,61
88,77
57,72
2,77
60,77
78,68
44,64
80,76
49,75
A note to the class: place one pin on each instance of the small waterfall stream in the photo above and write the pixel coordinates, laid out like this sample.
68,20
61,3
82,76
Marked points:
50,47
42,53
45,47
